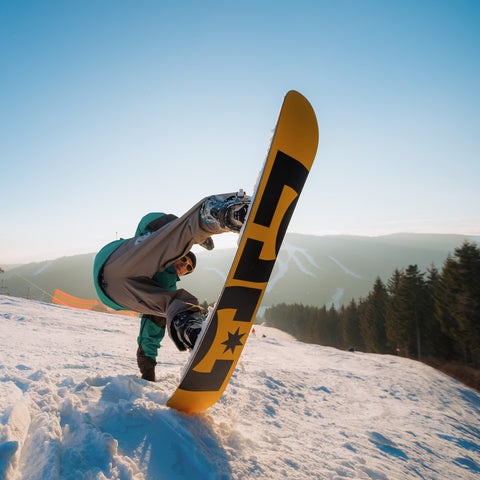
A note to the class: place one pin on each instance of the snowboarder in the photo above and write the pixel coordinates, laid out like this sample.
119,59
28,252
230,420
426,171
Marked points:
141,273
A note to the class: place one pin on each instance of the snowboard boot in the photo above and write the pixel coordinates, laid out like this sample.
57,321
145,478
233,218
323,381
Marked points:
146,365
227,211
188,326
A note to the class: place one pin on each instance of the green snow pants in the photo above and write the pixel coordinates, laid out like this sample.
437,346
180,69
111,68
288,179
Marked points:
150,336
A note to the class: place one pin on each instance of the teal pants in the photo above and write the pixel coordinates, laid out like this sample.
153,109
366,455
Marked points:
150,337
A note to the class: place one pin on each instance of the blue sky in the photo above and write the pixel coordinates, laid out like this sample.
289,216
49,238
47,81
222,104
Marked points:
112,109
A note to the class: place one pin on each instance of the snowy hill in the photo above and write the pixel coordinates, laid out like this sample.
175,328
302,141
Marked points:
312,270
72,407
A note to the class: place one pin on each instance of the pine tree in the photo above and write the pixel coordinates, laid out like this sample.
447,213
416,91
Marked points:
406,312
320,322
458,301
394,282
439,316
352,335
333,329
435,342
372,318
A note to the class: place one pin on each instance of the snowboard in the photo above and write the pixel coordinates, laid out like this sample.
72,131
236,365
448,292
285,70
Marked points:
279,184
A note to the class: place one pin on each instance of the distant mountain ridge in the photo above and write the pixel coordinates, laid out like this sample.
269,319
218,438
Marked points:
312,270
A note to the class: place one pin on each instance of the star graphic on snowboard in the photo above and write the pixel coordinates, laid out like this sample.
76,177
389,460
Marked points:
233,341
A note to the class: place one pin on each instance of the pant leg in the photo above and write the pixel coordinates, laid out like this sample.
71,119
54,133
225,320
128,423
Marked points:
128,272
149,337
144,295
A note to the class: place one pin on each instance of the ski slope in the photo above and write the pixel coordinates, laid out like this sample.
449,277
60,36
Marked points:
72,407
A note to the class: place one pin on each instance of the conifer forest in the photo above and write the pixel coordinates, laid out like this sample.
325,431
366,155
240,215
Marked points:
431,316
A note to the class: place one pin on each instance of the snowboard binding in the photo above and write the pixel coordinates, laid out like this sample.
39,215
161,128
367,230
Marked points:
228,211
185,327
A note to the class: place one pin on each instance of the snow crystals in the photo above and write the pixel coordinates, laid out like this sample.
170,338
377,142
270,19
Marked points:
72,407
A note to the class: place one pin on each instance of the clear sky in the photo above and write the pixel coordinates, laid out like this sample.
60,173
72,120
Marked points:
113,109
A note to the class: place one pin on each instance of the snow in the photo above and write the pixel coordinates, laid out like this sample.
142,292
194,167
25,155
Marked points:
291,252
344,268
335,302
43,268
72,407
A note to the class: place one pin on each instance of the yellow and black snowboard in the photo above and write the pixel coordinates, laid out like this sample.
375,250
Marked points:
279,185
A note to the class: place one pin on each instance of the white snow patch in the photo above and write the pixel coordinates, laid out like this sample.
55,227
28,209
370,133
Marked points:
294,254
335,301
42,268
344,268
72,407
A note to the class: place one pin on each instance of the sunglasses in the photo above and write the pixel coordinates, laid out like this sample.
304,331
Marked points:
186,261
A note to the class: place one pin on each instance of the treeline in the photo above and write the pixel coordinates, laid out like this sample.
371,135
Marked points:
433,314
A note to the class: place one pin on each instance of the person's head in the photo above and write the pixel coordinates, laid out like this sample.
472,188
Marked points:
186,264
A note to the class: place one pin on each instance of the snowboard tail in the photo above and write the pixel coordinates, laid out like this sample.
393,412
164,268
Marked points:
278,188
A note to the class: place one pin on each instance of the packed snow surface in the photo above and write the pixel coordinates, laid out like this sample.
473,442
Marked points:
72,407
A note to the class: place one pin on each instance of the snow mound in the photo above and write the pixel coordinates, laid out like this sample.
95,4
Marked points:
72,407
